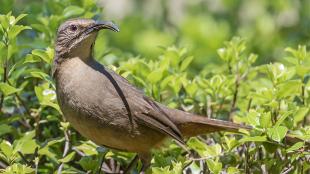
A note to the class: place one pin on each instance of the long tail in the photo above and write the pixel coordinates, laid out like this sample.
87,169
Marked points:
193,125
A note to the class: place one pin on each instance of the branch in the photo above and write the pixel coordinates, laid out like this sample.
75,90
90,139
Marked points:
4,80
288,170
234,101
66,150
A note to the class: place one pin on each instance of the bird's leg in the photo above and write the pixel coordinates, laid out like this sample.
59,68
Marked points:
131,164
146,162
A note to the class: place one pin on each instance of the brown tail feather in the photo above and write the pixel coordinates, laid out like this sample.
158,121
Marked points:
193,125
198,125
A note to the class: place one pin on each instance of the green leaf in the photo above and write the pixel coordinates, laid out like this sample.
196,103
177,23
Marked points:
31,59
19,17
173,56
283,117
88,163
88,148
7,89
277,133
18,168
233,170
166,81
39,74
67,158
214,167
6,148
10,51
253,118
191,88
289,88
213,150
43,55
4,21
26,144
4,129
16,29
186,62
203,149
46,96
254,139
161,170
72,11
302,70
300,114
295,147
265,120
155,76
45,150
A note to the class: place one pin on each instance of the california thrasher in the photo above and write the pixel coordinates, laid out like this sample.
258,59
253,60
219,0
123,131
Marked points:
105,108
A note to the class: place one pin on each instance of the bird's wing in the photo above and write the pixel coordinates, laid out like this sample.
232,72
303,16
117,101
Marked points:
140,108
154,117
147,112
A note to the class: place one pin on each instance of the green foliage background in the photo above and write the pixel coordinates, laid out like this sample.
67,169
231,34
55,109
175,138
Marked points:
193,63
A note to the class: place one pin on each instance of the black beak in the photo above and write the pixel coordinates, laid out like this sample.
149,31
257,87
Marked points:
99,25
102,25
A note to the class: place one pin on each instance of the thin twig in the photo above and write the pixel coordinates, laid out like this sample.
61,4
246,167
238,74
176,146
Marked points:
78,151
246,162
24,158
4,80
249,105
209,109
234,101
3,165
21,101
66,150
5,67
303,102
288,170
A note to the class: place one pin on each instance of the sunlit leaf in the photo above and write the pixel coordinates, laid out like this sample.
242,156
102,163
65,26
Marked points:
296,146
88,163
254,139
214,167
155,76
6,148
72,11
7,89
185,63
67,158
277,133
16,29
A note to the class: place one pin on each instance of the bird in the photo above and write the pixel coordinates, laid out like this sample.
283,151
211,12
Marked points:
108,110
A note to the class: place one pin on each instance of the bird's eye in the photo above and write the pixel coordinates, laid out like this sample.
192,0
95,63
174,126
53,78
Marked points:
73,27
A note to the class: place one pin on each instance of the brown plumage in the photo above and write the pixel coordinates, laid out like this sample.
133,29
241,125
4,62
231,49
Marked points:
105,108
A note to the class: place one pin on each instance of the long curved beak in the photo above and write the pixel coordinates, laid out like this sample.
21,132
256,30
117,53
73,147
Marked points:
99,25
106,25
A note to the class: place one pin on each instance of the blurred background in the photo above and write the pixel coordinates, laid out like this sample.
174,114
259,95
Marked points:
153,51
199,25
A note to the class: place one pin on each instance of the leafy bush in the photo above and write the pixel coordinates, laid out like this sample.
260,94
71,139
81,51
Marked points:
273,98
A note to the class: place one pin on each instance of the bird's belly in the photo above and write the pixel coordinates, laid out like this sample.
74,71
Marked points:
113,136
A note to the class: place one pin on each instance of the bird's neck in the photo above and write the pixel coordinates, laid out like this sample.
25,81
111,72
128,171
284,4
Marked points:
84,54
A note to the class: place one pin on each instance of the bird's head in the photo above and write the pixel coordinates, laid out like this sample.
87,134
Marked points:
76,37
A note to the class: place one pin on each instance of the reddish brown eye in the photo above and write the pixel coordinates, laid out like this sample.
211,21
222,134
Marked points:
73,27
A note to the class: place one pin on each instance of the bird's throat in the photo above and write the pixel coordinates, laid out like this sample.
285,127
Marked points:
85,54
